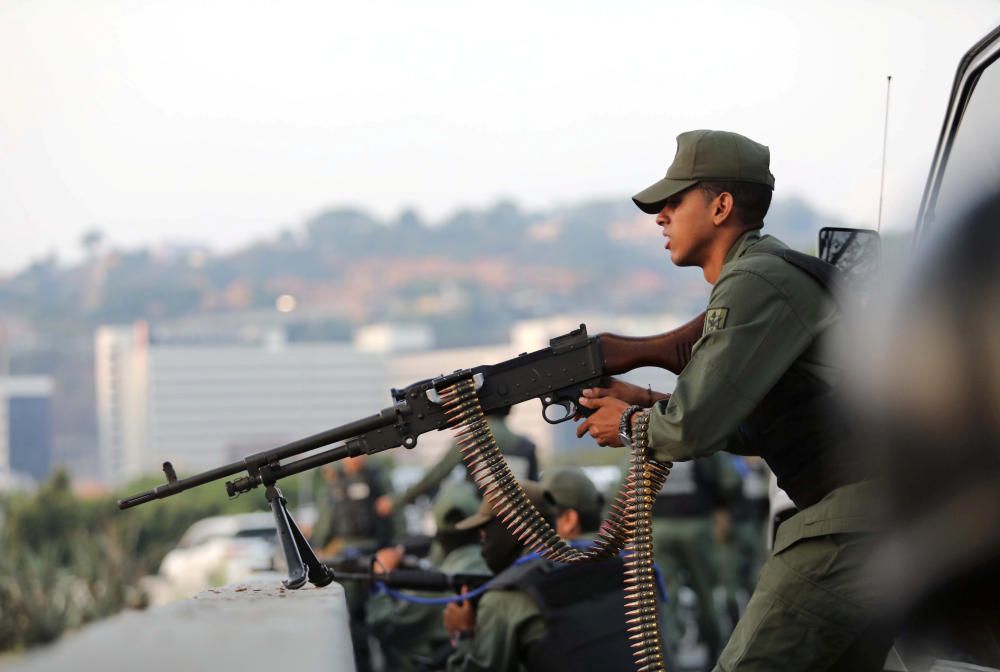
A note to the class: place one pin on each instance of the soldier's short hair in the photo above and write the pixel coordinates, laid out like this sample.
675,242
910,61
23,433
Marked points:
751,201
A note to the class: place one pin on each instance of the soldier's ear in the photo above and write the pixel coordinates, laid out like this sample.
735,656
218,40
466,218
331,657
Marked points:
722,208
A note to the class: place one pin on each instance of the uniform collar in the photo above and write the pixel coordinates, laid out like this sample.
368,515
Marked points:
742,244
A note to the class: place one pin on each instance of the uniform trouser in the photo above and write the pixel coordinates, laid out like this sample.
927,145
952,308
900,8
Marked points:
810,611
685,552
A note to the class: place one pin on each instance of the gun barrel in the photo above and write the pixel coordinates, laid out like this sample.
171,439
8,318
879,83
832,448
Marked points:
419,579
384,418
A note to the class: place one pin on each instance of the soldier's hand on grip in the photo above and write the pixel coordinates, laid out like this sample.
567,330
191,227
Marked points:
602,424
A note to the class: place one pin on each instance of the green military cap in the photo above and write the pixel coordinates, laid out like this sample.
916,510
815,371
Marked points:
708,156
536,495
455,502
570,488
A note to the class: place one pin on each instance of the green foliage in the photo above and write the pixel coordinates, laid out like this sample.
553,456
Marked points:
65,561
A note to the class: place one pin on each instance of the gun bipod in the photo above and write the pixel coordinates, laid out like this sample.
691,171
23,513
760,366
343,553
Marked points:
303,565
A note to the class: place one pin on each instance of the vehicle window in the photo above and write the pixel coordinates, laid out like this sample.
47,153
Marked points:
973,168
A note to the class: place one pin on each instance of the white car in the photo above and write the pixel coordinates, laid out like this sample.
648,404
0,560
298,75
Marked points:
220,550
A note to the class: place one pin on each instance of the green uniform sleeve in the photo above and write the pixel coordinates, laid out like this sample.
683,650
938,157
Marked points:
754,338
451,459
508,625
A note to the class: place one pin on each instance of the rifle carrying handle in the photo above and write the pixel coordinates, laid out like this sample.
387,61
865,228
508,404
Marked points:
670,350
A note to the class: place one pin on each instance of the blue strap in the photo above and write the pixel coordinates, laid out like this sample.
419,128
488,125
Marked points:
380,587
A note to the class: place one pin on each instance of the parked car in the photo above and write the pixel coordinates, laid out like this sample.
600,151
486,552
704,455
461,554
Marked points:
220,550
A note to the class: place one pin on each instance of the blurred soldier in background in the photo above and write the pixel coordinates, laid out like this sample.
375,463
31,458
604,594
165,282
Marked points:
578,505
743,553
691,521
535,615
346,516
518,450
408,631
347,522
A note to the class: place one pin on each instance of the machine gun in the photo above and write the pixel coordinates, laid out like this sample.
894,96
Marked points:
556,375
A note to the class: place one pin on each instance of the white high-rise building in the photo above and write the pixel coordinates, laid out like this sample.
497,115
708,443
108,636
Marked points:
203,405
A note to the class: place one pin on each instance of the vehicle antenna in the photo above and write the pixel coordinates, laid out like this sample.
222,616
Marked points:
885,138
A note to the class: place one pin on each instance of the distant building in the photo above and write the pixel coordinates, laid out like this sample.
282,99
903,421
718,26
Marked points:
394,338
191,403
26,427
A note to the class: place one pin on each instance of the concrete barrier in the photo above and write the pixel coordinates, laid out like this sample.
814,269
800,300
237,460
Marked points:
250,627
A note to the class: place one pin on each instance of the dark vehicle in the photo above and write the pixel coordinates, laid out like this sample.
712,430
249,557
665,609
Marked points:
937,395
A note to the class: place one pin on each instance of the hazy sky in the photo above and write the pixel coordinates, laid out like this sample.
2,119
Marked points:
224,120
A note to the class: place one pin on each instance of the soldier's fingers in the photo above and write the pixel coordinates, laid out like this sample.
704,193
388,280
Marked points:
592,402
596,392
582,429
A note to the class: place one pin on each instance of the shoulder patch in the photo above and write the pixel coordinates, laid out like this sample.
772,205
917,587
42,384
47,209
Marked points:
715,319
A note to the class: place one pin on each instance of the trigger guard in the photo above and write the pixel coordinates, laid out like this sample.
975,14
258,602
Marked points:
567,404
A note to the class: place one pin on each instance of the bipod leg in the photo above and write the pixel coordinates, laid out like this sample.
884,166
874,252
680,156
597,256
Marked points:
319,574
299,555
283,521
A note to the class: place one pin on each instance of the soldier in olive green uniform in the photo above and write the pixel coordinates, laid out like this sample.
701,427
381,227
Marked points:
761,382
534,616
347,521
408,631
346,507
518,450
